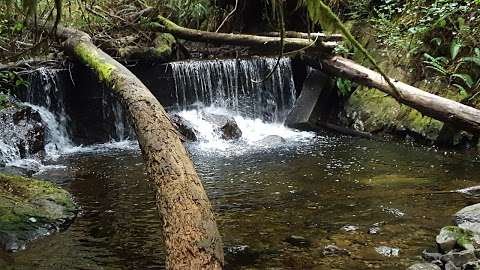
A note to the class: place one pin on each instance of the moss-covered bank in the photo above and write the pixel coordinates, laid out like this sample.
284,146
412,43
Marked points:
30,209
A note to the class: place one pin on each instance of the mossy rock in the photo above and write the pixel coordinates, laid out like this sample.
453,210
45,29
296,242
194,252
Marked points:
30,209
373,111
393,179
453,236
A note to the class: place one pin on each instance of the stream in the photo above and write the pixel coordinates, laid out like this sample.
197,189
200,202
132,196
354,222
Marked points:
278,205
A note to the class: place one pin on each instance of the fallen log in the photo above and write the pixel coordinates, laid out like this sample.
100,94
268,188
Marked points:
192,240
459,115
318,36
267,43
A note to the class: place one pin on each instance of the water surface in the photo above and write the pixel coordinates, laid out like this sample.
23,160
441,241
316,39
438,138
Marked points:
313,189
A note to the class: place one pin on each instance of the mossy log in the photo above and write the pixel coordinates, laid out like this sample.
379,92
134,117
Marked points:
261,42
192,240
460,116
160,52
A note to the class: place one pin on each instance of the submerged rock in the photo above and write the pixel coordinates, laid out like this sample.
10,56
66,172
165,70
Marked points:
240,255
272,140
424,266
388,251
298,241
332,250
184,127
394,180
469,218
30,209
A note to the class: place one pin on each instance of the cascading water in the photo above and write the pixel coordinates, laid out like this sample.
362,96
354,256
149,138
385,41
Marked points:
47,98
235,88
237,85
113,111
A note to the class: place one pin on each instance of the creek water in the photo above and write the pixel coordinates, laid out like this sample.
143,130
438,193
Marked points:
278,205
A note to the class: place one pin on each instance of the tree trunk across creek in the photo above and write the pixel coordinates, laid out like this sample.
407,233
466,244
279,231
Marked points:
192,240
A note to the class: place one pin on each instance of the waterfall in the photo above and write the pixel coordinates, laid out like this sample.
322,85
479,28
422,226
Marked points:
114,113
230,88
46,96
232,84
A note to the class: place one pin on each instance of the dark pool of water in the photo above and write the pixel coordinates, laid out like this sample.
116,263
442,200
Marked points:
311,190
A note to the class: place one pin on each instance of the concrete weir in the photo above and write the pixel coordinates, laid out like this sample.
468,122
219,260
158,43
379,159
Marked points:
305,113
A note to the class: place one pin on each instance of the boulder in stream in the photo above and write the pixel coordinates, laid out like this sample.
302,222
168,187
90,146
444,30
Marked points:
226,126
452,236
459,258
22,132
184,127
298,241
30,209
469,218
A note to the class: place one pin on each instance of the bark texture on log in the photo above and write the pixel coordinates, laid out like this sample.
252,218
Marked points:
313,36
268,43
191,236
459,115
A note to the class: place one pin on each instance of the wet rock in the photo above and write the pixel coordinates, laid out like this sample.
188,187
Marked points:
438,262
451,266
423,266
459,258
375,228
225,125
22,132
469,218
184,127
272,140
332,250
452,236
387,251
472,266
31,209
231,131
431,256
240,255
350,228
298,241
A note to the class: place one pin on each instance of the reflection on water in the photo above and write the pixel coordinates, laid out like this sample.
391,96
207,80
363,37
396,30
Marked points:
330,190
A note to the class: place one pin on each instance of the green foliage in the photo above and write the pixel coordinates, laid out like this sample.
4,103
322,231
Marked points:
10,81
191,13
345,87
461,72
320,13
408,26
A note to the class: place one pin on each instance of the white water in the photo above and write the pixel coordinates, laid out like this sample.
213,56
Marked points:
57,139
253,132
225,86
230,84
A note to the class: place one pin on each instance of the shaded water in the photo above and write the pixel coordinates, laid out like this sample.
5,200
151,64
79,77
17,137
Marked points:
311,190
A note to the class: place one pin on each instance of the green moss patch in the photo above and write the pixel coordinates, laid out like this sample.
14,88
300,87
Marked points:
30,208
